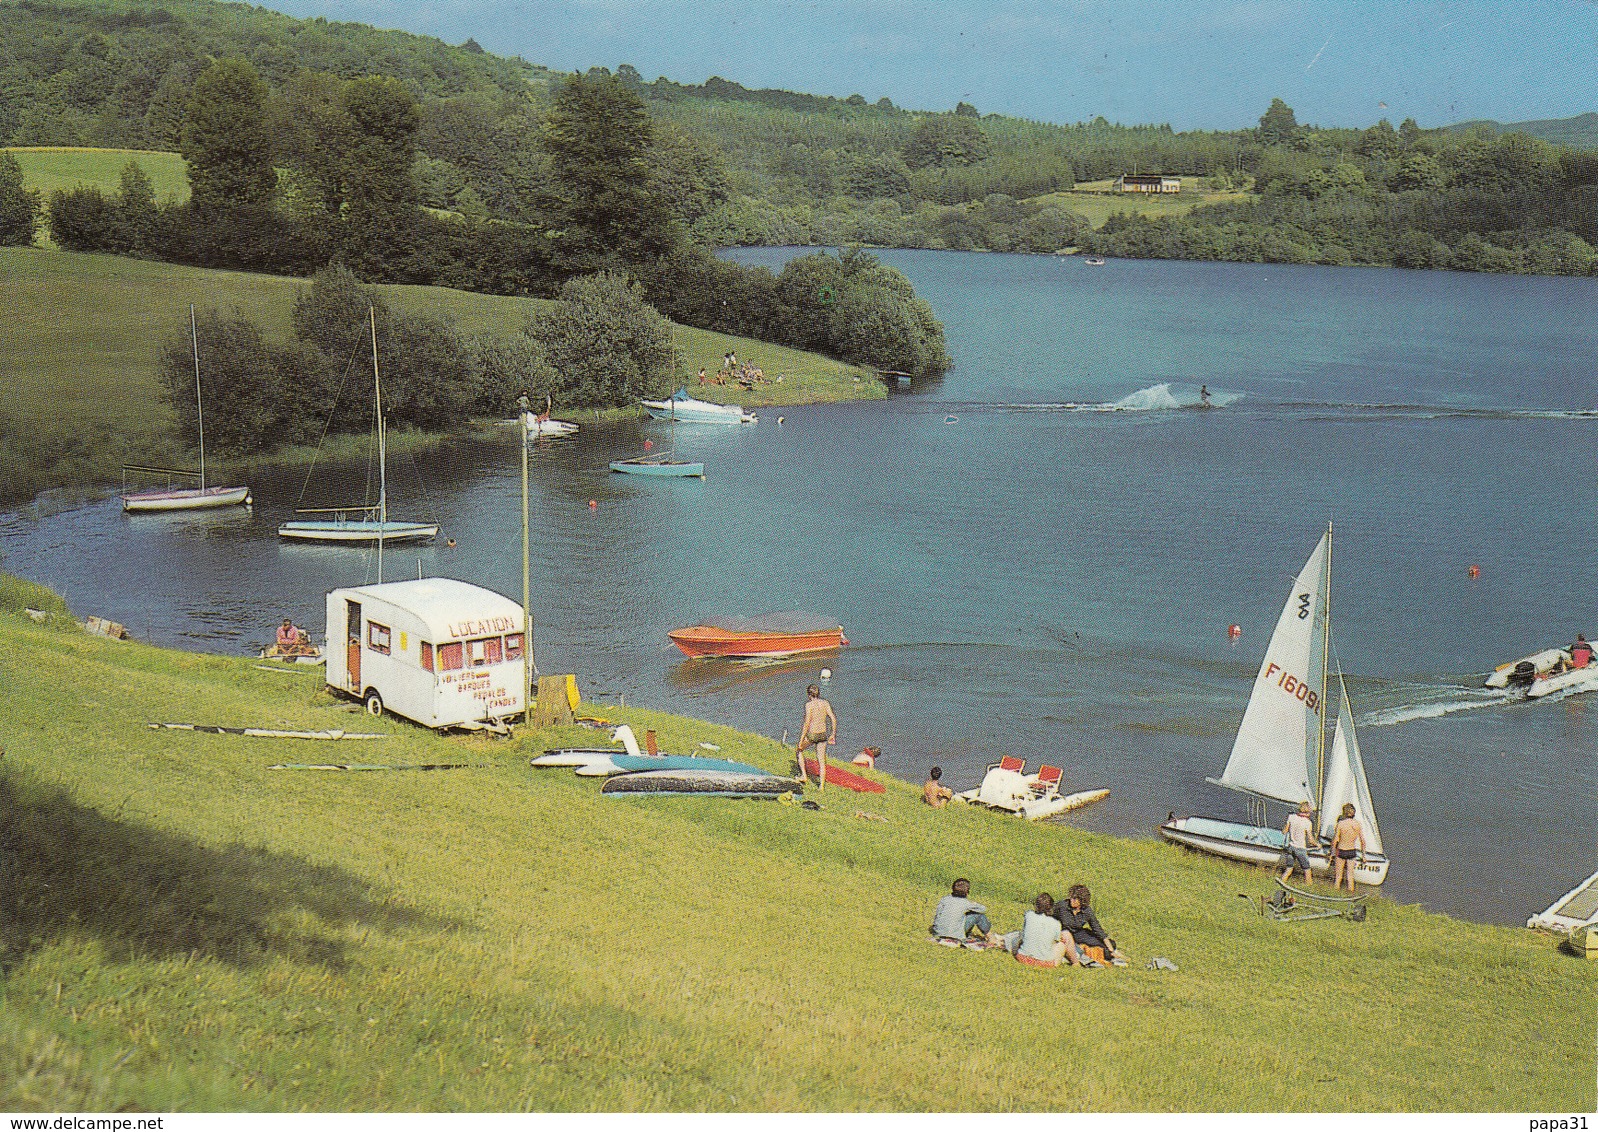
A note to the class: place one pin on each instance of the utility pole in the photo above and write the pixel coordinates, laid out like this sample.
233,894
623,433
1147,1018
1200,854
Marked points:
528,671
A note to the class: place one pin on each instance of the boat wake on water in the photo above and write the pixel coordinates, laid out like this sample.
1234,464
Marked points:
1156,398
1168,396
1438,701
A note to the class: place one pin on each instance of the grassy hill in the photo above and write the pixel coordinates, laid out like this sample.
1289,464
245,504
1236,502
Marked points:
81,394
185,929
1096,201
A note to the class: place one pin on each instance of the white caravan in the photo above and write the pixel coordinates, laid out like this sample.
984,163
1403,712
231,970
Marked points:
436,651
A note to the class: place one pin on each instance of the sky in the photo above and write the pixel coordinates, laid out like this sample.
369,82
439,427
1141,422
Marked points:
1194,65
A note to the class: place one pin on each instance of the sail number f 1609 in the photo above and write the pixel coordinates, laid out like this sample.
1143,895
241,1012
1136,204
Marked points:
1293,686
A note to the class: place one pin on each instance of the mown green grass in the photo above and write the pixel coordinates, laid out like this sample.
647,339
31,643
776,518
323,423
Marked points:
48,168
185,929
1096,201
81,350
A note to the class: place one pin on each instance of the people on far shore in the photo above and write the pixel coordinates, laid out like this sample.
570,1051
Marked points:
934,793
1300,831
958,917
1348,845
820,727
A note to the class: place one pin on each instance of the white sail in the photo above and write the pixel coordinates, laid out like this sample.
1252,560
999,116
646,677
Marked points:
1345,779
1277,748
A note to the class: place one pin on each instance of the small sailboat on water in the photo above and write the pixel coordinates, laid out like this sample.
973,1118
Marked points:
667,465
369,524
183,498
1280,753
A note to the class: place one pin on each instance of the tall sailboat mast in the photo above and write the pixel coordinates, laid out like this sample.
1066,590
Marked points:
382,451
199,401
1326,648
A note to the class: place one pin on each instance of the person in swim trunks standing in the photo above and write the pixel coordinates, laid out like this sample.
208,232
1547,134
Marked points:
819,729
1348,846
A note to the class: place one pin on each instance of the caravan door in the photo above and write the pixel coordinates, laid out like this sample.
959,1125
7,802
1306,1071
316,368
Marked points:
352,646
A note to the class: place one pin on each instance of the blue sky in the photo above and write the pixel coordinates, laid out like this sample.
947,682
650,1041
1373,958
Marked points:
1195,65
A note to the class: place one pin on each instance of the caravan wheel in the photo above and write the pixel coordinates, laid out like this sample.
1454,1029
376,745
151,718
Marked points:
374,702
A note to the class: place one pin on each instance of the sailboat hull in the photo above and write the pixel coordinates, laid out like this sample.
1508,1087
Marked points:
1259,845
186,499
356,533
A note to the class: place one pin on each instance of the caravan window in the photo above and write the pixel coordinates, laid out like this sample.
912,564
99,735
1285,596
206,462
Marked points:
377,637
427,656
513,646
449,657
483,651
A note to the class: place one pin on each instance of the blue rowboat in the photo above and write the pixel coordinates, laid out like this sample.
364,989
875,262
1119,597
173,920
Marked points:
658,466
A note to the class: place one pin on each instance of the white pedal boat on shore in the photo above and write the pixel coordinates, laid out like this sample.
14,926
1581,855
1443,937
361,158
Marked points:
682,407
1576,910
1032,797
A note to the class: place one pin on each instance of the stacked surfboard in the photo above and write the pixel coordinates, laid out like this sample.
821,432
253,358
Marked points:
638,774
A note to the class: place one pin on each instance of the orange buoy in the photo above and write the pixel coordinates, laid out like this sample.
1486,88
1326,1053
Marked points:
1474,571
593,504
1234,631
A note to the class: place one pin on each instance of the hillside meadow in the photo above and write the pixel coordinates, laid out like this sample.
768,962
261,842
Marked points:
186,929
82,394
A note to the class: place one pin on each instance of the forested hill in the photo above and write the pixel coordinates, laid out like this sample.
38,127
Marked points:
734,165
1580,132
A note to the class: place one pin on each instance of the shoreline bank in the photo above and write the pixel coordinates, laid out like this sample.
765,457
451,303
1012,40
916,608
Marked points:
260,939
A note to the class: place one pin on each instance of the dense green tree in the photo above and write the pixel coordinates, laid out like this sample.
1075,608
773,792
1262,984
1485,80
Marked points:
1418,171
867,178
137,217
946,139
599,138
83,220
688,174
966,110
607,345
506,366
225,139
380,204
313,137
1381,141
19,206
1278,125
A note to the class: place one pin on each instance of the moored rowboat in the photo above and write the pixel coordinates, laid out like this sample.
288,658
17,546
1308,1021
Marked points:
713,640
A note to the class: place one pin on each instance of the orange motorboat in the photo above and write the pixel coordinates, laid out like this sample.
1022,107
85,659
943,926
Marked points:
769,636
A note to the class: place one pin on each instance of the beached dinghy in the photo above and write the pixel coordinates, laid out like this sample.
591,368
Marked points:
658,783
632,764
568,757
1527,668
1280,750
682,407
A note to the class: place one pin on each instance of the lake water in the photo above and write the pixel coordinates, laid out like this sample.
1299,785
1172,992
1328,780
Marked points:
1042,577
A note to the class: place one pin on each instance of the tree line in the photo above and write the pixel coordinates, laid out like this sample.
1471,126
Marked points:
1401,197
598,344
330,176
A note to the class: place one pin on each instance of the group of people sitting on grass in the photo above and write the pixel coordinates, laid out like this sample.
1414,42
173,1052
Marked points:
747,375
1051,934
